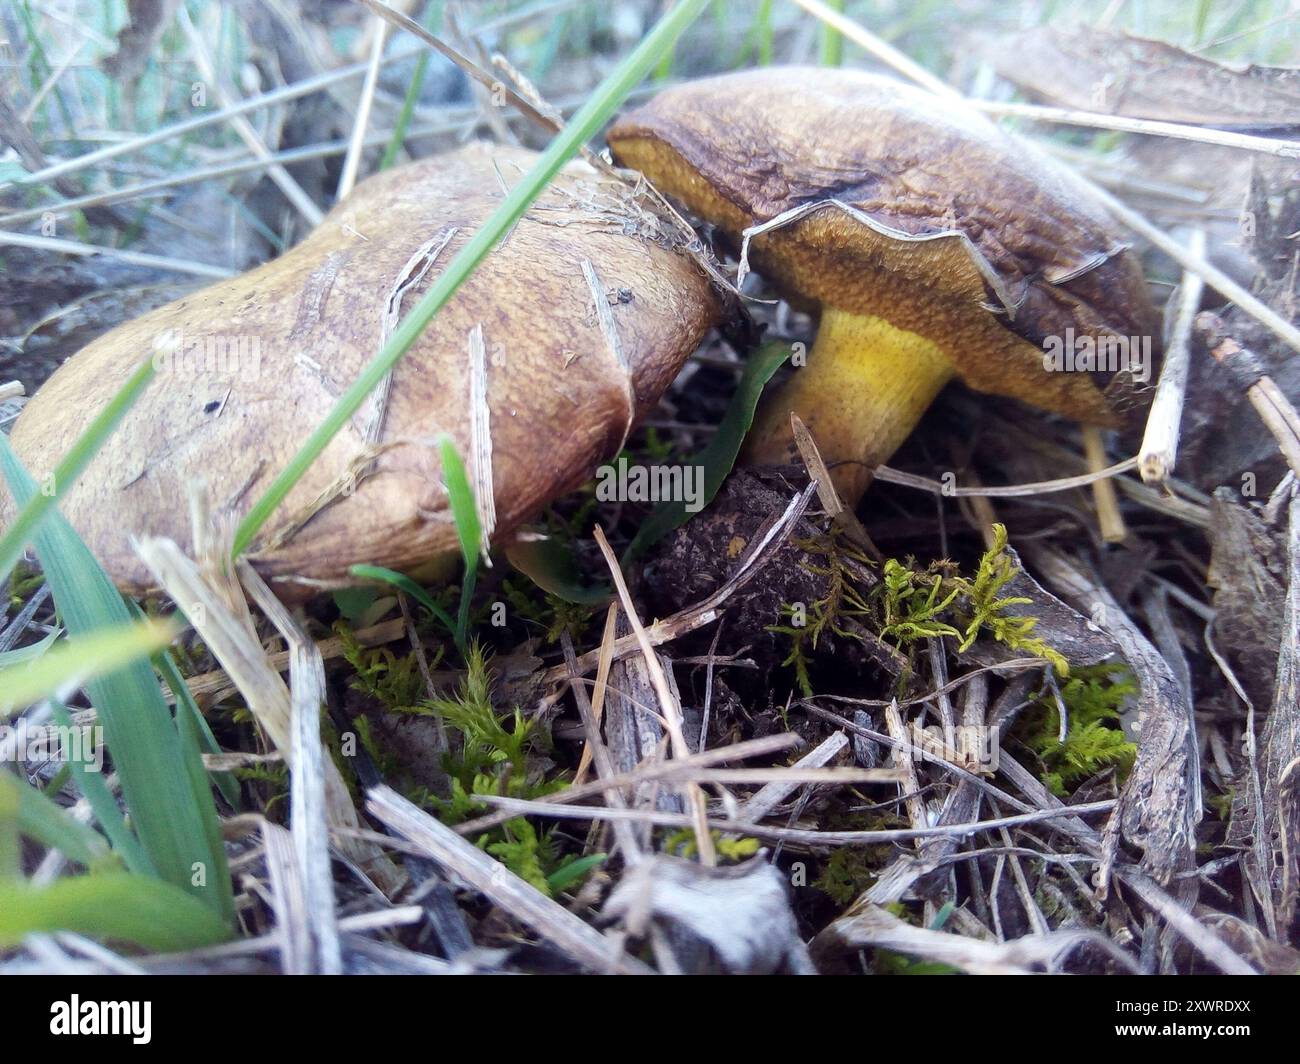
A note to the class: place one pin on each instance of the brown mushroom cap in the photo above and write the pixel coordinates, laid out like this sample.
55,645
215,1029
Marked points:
946,228
265,355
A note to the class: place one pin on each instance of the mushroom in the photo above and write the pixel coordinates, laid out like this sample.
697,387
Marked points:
585,312
932,244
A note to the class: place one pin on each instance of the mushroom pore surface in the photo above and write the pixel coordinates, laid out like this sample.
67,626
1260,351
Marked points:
248,367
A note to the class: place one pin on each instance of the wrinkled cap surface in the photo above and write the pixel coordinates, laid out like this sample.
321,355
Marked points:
248,367
886,200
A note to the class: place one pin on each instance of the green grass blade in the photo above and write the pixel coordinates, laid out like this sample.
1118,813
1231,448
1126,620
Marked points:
564,877
432,23
200,787
764,20
225,781
583,126
11,853
468,530
405,583
469,533
70,468
173,822
40,818
112,906
104,805
69,664
719,456
832,41
29,653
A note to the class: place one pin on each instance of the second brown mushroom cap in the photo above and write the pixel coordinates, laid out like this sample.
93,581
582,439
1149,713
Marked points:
586,311
932,245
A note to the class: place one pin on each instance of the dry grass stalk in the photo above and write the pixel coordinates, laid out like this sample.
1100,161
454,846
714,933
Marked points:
216,685
480,434
203,61
1285,149
770,744
841,515
307,788
1007,491
130,258
233,643
288,901
600,687
771,794
807,837
869,926
628,842
482,872
910,786
1208,943
378,32
1159,449
1111,521
669,708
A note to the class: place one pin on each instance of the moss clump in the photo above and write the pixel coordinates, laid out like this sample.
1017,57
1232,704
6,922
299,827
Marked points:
1094,740
551,614
847,873
939,602
911,604
274,777
24,582
395,683
828,615
729,848
494,757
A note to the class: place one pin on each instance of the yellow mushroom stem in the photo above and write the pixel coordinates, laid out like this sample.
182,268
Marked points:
866,385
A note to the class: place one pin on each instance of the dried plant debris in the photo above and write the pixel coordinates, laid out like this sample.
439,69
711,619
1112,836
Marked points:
734,920
1266,816
1224,440
1249,577
870,926
1090,69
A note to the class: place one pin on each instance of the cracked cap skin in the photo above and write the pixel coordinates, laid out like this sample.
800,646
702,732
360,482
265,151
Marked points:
560,399
932,244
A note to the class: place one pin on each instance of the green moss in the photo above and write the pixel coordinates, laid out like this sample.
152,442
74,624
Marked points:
912,604
274,776
938,602
730,848
1094,739
986,609
551,614
493,757
846,874
393,682
1222,804
843,600
24,582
